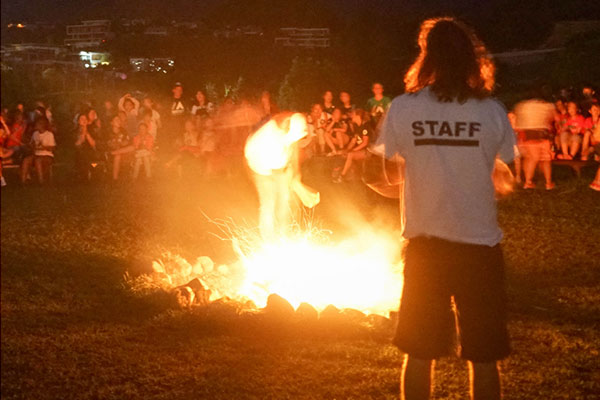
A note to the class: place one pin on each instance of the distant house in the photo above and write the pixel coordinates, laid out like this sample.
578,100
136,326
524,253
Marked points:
303,37
157,31
152,64
90,33
38,57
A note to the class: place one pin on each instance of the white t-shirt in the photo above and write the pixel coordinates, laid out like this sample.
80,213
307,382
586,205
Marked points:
43,139
450,150
267,149
534,114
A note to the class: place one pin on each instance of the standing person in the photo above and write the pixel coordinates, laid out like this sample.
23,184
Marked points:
149,106
449,131
43,145
534,117
178,110
272,155
378,105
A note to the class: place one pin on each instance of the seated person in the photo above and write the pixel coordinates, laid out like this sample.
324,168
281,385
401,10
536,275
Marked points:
591,123
119,145
361,132
143,145
336,133
85,149
572,134
188,146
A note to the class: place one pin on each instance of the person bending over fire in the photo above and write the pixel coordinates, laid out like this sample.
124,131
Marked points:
272,155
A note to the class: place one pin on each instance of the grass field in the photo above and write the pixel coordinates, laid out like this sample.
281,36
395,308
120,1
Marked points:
71,329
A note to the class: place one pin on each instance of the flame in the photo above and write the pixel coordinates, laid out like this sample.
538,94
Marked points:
357,273
362,272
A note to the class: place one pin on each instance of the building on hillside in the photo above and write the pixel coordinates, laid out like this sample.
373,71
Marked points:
303,37
152,64
88,34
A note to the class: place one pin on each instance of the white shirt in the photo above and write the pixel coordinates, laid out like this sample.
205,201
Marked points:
43,139
267,149
450,150
534,114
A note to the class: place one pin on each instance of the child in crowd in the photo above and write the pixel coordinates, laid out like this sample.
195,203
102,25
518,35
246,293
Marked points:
347,106
188,146
336,135
149,107
201,105
143,143
560,119
378,105
119,145
4,153
148,119
208,145
591,124
328,105
130,105
316,126
361,132
595,139
85,149
43,144
572,134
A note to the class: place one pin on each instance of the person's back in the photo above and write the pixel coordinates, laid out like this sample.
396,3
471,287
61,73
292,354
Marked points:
449,131
449,150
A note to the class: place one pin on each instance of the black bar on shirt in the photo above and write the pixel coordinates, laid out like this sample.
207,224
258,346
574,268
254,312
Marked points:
447,142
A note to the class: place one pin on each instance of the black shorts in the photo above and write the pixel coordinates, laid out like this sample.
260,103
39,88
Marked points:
446,282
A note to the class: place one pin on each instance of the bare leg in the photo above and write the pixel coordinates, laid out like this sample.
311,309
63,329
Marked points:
585,146
136,167
329,141
529,167
39,169
116,166
597,178
485,381
574,145
518,169
564,143
25,167
147,166
416,378
546,167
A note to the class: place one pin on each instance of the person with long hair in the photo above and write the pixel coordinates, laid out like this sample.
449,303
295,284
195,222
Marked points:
450,131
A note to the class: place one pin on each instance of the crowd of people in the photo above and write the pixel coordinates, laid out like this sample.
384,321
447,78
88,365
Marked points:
121,137
567,130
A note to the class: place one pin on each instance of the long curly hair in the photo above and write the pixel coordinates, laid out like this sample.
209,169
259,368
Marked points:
453,62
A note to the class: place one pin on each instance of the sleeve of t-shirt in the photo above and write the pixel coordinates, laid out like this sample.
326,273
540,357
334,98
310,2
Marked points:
506,150
388,137
49,140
